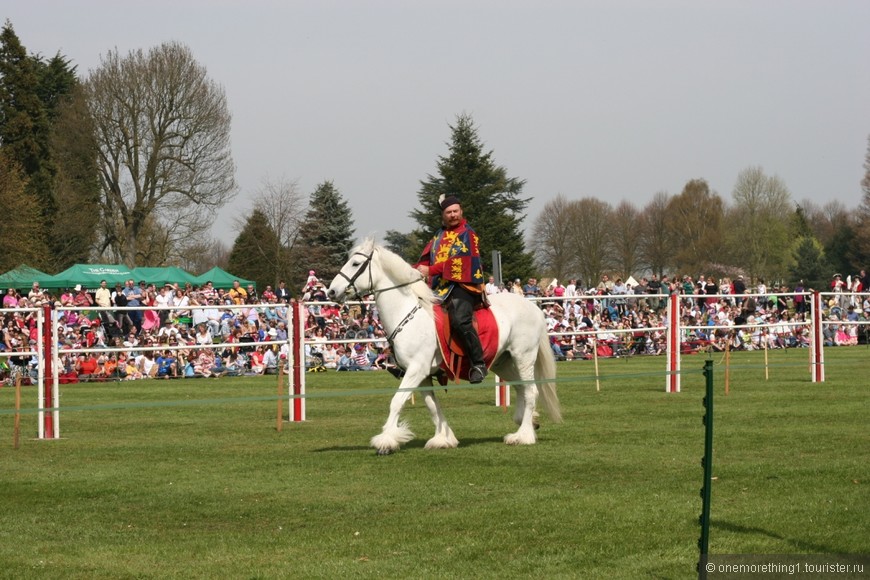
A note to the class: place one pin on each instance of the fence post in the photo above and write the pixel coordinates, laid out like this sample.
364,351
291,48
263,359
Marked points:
672,378
817,343
297,360
49,427
707,464
502,394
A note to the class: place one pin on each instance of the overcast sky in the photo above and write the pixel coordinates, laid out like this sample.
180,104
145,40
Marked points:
615,100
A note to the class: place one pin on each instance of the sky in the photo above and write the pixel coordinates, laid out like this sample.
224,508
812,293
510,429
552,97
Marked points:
615,100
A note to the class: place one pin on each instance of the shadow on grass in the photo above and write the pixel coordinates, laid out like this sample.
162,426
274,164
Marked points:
417,443
802,546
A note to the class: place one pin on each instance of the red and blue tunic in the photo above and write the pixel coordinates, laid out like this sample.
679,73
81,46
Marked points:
453,257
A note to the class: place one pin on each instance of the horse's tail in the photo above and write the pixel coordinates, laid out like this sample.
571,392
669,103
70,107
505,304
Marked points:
545,377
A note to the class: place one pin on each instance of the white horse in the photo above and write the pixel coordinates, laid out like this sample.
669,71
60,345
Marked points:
405,304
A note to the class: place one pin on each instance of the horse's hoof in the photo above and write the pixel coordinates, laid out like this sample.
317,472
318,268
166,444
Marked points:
385,451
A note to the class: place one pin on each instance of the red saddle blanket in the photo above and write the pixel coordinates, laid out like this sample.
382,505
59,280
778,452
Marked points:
456,364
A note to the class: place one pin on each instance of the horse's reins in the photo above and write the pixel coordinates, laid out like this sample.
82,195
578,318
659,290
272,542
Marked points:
367,265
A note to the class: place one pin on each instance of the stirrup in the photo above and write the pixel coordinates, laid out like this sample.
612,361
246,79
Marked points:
477,374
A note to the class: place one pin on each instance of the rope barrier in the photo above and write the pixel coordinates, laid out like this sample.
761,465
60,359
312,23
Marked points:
323,395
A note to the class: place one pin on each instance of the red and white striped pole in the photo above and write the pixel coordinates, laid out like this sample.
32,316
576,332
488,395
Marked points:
502,394
672,379
297,360
817,342
49,427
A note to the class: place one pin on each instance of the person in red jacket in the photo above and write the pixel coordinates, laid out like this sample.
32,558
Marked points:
451,261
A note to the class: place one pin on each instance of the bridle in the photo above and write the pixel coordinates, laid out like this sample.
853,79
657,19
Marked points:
362,267
366,265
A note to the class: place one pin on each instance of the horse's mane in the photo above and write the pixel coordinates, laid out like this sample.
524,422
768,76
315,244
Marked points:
401,272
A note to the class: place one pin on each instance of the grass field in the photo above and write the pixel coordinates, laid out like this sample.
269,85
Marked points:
212,490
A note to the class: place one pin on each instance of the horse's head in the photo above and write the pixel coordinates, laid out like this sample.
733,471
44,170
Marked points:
355,277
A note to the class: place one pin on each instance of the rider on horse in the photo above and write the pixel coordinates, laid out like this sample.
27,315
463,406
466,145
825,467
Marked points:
452,262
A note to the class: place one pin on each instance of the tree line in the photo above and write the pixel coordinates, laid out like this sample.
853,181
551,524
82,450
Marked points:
761,233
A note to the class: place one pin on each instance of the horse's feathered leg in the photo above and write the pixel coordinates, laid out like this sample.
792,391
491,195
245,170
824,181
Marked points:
394,433
524,415
444,437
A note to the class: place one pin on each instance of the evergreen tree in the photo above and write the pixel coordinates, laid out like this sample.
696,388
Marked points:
23,119
839,252
72,233
327,234
20,238
46,130
800,226
405,245
810,264
490,200
251,256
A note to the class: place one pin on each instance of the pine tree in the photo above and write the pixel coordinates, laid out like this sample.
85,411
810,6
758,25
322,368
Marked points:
45,128
23,120
490,200
405,245
20,237
809,264
327,233
252,256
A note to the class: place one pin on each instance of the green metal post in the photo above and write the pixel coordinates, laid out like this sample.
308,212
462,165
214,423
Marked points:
707,464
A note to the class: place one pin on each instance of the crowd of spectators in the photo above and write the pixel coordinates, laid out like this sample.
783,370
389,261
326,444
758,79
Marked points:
199,331
616,317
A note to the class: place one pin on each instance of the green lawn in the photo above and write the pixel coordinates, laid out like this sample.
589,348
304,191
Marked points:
212,490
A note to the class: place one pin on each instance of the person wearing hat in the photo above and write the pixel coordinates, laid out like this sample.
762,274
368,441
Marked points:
839,286
461,284
312,281
81,297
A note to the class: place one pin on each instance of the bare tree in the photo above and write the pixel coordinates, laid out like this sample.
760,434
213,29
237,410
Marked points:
696,221
656,247
626,238
590,232
757,224
163,132
554,249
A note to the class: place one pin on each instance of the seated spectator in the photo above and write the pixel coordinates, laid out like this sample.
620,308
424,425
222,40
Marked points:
166,365
168,329
87,367
235,365
110,369
270,362
269,295
257,366
146,364
361,358
203,335
345,360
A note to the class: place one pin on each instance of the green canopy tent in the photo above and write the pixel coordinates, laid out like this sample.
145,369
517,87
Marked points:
220,278
22,277
89,276
163,275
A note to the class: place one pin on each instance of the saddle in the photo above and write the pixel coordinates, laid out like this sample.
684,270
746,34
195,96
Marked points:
456,363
